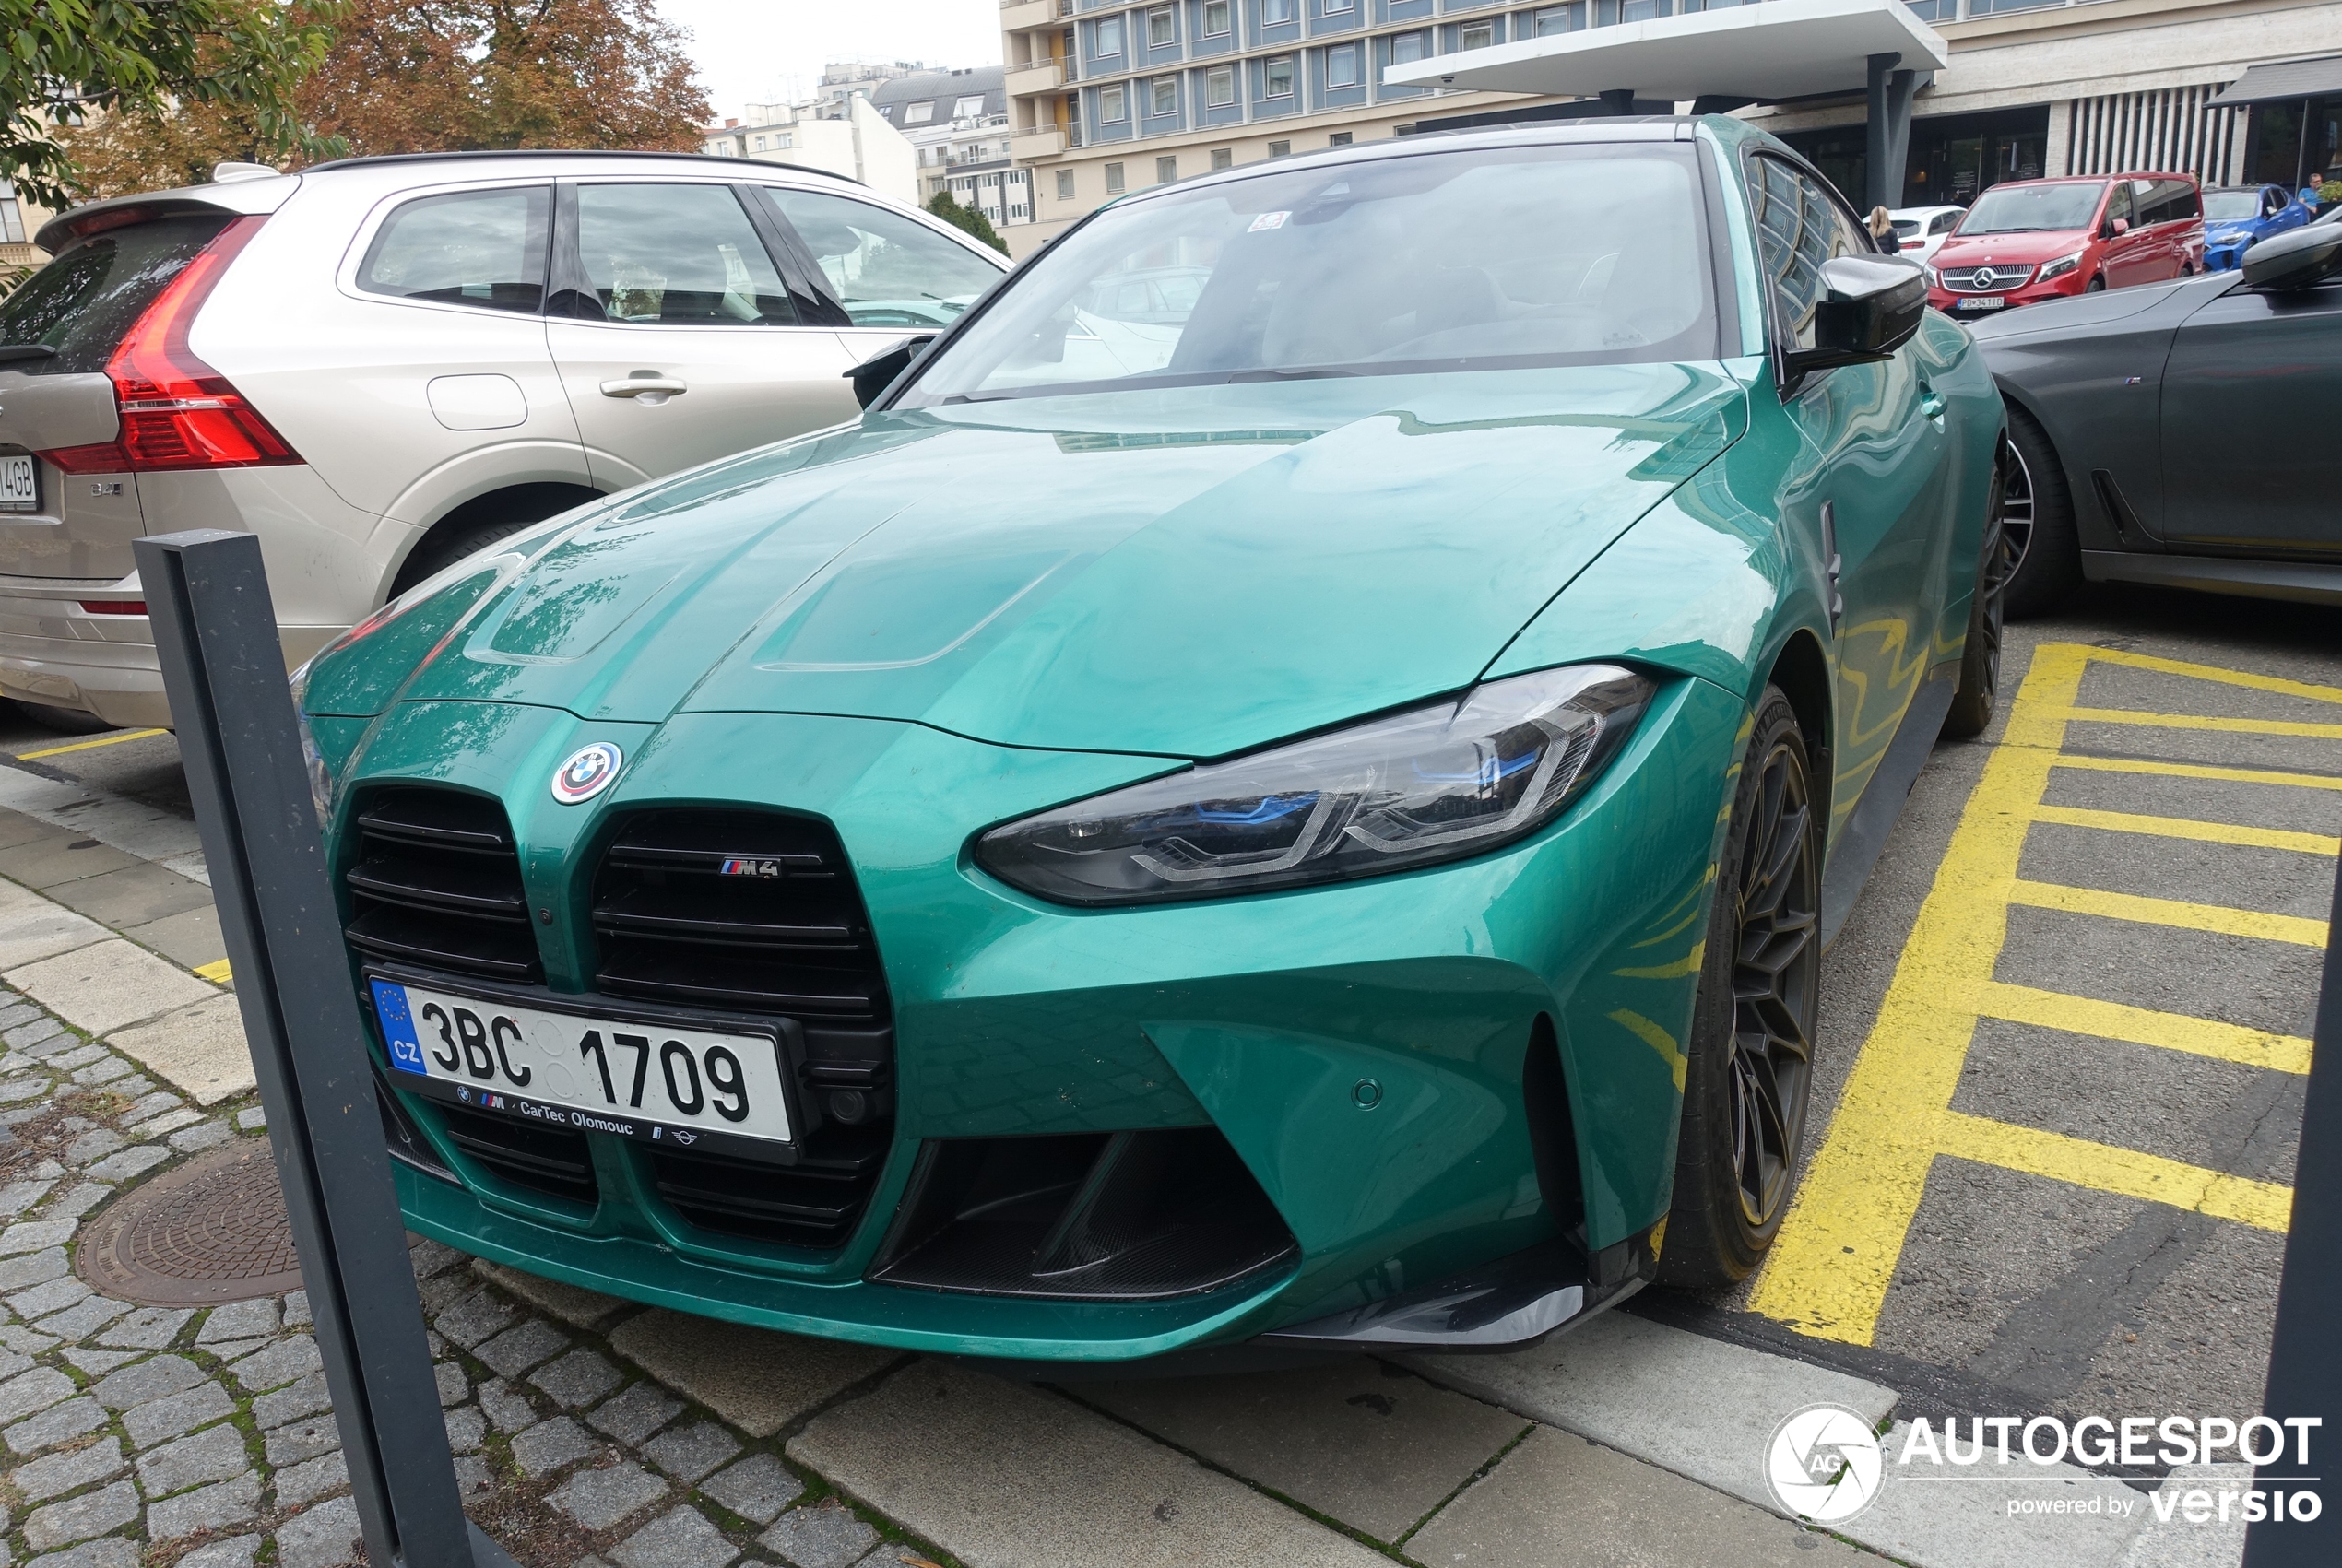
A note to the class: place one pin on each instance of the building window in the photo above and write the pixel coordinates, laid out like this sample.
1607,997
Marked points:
1166,90
1112,111
1557,18
968,107
760,143
1280,149
1017,210
1476,35
1065,185
1159,29
1339,138
1166,169
785,141
1275,13
1220,87
1114,179
1215,19
1339,7
1276,76
1109,38
1409,47
1341,67
919,114
1223,156
11,216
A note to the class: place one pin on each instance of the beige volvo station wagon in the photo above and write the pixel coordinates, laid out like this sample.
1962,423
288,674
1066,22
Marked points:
382,365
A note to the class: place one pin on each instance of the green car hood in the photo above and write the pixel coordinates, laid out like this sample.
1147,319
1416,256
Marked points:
1186,573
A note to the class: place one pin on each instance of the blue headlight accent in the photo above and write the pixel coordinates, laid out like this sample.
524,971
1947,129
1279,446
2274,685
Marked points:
1268,810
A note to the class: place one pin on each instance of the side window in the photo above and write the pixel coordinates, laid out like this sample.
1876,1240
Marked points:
677,254
1944,222
1798,228
2176,202
882,266
484,248
2119,205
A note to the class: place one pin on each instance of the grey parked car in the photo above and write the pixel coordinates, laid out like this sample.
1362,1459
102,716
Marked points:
2179,433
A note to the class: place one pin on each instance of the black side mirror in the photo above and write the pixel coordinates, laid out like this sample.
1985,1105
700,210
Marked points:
876,374
2295,259
1871,305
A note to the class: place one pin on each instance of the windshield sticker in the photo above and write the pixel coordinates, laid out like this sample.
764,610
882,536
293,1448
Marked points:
1269,220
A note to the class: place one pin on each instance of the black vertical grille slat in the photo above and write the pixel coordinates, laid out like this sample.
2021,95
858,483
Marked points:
759,911
436,881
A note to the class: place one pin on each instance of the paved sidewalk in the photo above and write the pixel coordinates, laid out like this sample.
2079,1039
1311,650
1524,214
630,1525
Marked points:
595,1434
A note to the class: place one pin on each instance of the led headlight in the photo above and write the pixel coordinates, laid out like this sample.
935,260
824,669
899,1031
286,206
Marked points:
1934,278
1437,783
320,777
2061,266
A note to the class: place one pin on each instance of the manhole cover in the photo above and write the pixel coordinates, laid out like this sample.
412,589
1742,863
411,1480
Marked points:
212,1231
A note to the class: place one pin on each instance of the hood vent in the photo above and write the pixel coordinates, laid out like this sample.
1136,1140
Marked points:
437,882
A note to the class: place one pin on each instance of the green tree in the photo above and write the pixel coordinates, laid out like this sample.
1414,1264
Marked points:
968,218
71,60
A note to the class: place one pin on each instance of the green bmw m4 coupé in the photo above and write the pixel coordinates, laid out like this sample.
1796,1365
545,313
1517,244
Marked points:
1294,802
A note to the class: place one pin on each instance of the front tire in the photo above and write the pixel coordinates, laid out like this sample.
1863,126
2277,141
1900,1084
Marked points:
2037,511
1750,1069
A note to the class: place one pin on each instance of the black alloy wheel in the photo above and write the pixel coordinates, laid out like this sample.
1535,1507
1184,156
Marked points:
2044,558
1980,669
1776,988
2016,508
1749,1075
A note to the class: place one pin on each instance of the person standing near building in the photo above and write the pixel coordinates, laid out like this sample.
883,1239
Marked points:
1882,230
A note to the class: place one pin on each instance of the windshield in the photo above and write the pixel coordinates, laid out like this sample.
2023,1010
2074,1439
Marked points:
2231,204
2020,209
1454,261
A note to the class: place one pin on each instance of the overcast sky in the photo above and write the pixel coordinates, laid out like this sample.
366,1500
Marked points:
762,51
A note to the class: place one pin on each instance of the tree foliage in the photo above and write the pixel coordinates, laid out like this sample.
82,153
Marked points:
437,75
966,218
67,60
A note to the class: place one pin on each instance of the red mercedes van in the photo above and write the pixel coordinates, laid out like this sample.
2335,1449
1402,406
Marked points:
2033,240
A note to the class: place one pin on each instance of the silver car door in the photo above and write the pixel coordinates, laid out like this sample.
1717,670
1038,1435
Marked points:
674,333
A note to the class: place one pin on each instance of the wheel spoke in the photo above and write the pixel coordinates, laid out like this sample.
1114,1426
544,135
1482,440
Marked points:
1775,987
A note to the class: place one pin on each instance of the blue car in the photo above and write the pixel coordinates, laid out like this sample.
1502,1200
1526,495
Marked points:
2236,216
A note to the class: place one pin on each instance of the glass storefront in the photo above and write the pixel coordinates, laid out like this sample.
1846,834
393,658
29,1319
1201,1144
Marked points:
2295,143
1952,156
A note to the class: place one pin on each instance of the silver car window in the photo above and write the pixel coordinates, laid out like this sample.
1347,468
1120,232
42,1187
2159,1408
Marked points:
483,248
676,254
886,269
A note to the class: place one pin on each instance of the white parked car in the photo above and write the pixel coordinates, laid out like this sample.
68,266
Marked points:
1922,229
382,365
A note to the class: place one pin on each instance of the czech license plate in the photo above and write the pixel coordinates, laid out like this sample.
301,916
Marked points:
19,483
702,1090
1983,302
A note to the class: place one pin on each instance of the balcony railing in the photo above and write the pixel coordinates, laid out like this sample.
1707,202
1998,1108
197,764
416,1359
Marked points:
1042,76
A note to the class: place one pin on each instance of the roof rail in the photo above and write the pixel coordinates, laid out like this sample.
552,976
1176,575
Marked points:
375,159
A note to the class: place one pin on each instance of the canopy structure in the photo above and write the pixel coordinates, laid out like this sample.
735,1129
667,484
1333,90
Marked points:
1740,54
2282,81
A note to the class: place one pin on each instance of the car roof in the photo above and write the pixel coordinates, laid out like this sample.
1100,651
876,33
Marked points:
267,193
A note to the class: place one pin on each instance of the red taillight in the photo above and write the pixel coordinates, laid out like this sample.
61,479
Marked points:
114,607
178,412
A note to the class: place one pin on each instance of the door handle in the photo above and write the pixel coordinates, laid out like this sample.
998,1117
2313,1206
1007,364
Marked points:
635,386
1932,403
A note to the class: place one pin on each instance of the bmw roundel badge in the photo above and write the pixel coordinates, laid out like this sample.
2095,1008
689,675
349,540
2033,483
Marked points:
589,771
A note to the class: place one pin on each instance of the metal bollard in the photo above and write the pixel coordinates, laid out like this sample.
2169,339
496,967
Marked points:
2305,1369
223,668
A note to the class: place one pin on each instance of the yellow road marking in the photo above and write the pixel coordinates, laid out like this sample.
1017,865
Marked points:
2105,1168
1829,1269
2212,673
2143,1026
216,972
2201,771
2214,917
90,745
2189,828
2205,721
